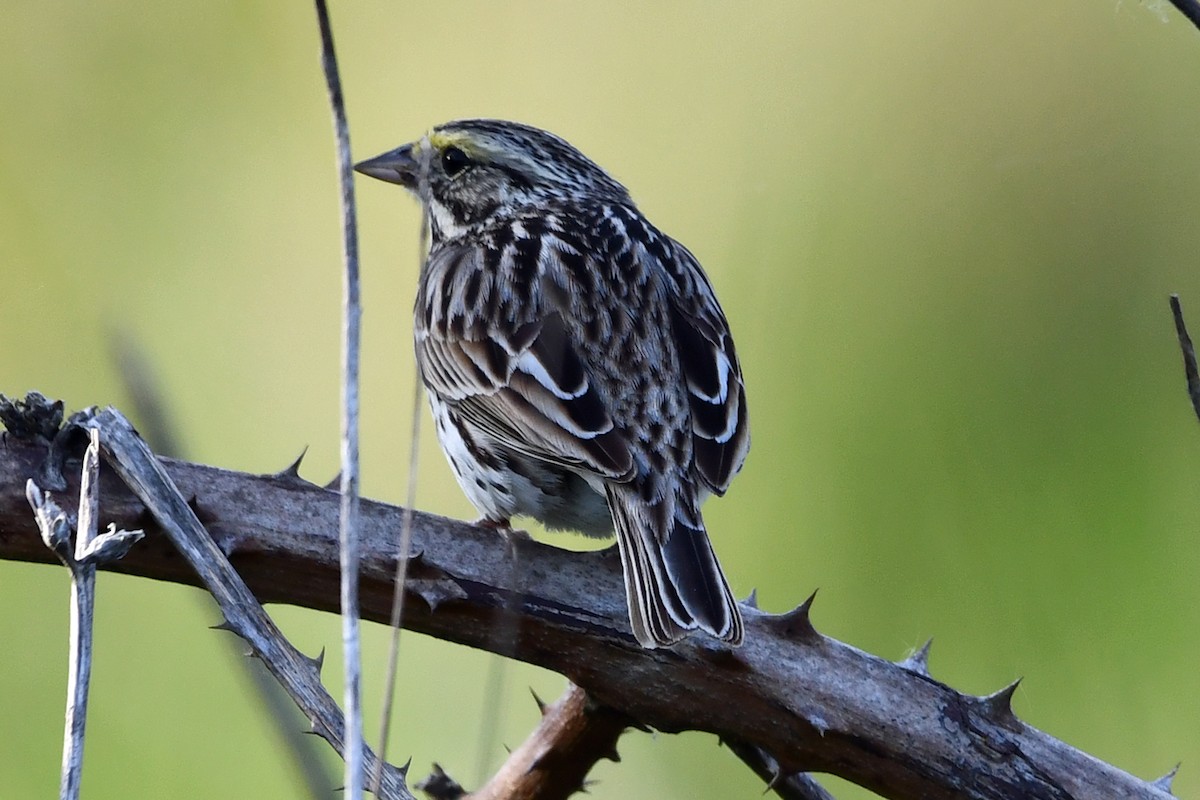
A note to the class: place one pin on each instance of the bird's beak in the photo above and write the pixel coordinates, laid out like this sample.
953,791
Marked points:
394,166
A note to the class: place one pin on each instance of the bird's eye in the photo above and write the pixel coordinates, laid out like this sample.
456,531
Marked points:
454,161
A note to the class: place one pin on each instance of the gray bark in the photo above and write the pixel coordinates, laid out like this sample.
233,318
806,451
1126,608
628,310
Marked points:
800,700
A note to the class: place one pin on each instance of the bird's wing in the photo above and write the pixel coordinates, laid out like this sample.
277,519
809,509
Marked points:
720,428
510,369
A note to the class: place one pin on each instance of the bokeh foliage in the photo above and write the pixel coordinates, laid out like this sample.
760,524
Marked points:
944,233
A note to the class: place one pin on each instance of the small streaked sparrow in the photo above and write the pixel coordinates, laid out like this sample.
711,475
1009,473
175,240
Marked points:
579,367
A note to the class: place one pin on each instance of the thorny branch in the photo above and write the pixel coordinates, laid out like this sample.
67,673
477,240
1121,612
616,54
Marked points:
809,701
148,406
143,474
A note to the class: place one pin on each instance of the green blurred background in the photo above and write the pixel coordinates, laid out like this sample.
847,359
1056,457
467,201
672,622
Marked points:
944,234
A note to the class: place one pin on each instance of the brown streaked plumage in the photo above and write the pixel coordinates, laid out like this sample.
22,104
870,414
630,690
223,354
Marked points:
579,368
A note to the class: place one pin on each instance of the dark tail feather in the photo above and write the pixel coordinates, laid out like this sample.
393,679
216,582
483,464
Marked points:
673,583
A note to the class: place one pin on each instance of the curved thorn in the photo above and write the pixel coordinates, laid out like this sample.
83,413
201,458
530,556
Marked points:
541,704
335,483
318,662
998,705
292,471
202,512
918,660
435,592
796,623
1163,784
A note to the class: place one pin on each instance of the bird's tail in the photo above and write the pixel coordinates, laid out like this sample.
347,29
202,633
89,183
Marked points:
673,583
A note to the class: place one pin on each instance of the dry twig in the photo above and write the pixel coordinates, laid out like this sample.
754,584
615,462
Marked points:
204,560
89,552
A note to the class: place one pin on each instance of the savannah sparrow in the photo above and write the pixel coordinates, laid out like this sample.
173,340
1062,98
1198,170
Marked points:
579,368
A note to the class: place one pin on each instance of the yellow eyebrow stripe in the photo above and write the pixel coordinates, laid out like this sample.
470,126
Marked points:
441,140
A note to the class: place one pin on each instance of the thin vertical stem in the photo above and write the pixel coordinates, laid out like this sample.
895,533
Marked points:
397,615
79,675
389,685
352,313
83,604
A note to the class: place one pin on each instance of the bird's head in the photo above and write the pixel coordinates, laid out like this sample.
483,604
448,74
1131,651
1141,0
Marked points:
471,171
